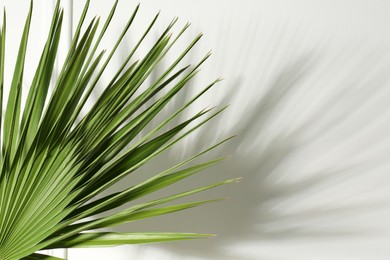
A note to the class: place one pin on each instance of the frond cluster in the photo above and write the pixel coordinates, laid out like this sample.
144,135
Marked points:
53,165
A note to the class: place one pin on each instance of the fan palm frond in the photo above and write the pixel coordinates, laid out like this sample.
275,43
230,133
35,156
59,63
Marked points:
53,165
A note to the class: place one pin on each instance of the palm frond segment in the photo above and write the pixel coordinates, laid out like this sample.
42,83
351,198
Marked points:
55,161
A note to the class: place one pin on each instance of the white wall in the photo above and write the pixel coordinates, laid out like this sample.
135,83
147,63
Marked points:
308,86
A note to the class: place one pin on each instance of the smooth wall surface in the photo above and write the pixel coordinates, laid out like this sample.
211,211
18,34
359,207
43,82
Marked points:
308,88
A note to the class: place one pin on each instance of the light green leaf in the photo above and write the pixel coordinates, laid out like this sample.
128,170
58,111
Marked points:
55,160
104,239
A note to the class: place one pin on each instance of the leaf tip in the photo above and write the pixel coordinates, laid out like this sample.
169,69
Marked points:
236,180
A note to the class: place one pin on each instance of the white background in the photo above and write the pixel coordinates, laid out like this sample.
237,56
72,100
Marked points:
308,86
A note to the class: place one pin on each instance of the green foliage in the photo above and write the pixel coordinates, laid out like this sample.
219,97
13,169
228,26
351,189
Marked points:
53,166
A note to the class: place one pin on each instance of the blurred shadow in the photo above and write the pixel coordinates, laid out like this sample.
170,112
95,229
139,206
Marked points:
276,134
252,212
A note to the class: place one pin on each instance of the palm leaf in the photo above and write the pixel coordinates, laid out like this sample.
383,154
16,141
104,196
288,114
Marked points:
52,165
111,239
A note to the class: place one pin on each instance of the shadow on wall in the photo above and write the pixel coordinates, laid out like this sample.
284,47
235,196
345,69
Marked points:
304,158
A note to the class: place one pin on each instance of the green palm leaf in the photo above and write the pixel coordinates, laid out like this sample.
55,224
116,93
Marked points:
52,165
